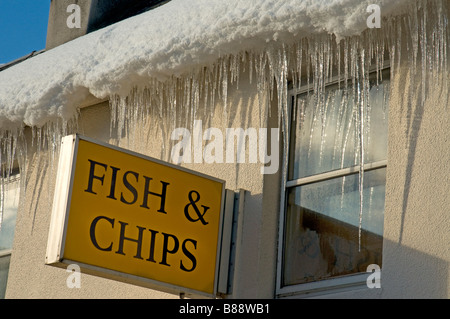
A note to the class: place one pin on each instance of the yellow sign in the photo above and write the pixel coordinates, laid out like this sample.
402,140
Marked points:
134,215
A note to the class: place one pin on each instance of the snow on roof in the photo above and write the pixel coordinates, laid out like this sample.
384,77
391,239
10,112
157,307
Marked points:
169,40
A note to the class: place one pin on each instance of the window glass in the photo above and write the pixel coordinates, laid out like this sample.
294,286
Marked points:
322,228
325,139
4,268
322,234
11,202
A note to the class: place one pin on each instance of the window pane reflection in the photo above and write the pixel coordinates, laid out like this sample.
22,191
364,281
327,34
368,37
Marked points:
4,268
9,215
10,205
322,228
326,138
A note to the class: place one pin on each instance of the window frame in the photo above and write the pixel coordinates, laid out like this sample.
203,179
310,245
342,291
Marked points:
15,177
324,286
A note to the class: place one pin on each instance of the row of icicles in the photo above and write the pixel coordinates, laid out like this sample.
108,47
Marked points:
419,38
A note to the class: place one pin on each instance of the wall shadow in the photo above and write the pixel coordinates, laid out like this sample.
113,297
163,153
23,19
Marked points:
410,273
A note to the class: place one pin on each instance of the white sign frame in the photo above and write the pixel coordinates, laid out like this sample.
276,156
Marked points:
59,220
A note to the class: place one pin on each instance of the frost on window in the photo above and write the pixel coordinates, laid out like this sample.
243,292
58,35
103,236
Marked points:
325,236
10,198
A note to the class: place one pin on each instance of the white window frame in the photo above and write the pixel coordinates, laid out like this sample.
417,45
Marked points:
14,178
325,286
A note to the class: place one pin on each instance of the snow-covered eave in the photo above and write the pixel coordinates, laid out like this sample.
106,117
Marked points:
170,40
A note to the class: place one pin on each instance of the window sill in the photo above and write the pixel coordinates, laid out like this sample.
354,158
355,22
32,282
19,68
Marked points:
6,252
324,287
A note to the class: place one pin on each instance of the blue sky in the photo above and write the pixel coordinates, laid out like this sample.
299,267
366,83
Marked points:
23,27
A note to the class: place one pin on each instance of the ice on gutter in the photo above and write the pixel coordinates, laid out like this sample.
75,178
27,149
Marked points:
5,66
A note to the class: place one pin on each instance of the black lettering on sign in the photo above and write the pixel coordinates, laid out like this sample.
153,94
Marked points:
113,183
92,175
92,232
189,255
166,249
130,181
130,187
192,203
148,192
170,244
138,241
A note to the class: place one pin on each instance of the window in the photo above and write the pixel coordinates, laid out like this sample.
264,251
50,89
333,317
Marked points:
10,204
322,241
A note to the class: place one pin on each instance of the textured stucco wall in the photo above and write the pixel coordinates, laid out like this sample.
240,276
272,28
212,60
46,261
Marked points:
416,252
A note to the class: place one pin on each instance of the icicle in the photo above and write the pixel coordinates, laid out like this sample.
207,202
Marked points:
225,89
260,61
283,90
2,194
423,45
8,145
361,117
2,180
250,67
